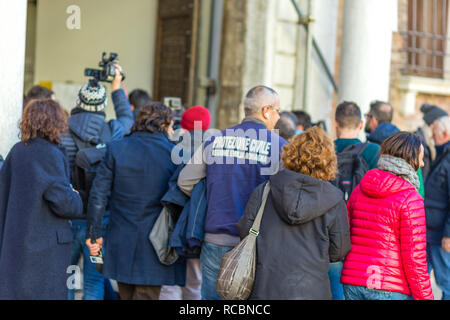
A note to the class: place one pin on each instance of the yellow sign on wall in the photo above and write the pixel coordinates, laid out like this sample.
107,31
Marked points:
46,84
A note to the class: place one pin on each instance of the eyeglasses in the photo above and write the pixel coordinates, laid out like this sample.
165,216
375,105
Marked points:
368,115
273,108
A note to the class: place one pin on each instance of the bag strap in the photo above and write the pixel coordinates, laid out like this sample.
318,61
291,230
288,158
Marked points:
80,144
358,148
257,223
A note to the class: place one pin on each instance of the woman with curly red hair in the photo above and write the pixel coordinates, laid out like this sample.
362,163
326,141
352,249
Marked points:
304,226
36,203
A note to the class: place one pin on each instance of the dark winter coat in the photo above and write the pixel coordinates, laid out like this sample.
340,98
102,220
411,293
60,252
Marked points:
382,132
304,227
134,177
36,201
427,160
91,127
437,198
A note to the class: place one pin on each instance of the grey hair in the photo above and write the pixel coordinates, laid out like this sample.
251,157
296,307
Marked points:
257,98
443,124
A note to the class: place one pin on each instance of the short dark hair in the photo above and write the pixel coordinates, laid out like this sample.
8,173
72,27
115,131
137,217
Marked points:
37,92
154,117
404,145
286,125
139,98
348,115
43,118
289,115
380,112
303,119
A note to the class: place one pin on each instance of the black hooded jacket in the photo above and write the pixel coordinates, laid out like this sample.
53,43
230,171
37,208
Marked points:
304,227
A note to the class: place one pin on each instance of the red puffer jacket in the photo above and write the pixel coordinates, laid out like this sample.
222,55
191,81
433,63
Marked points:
388,235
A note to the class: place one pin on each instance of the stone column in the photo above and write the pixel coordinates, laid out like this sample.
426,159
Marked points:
321,90
366,51
13,15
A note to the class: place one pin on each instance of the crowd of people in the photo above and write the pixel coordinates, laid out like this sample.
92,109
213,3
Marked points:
343,219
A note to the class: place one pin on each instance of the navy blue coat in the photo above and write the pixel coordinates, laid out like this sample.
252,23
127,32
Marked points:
134,177
437,198
382,132
36,201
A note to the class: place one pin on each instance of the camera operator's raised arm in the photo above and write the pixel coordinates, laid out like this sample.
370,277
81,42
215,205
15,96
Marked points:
124,114
117,82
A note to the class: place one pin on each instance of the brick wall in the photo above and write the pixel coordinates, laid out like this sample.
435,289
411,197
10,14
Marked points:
399,61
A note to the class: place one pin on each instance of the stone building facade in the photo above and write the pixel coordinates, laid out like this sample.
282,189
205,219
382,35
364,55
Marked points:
231,46
409,91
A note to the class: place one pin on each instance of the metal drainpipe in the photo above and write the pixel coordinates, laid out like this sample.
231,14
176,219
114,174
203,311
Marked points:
305,21
308,50
214,59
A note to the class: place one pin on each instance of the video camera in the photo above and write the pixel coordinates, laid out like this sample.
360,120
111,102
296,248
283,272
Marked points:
177,108
108,71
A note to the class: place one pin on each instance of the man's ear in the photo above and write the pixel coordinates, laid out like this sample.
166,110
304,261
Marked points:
132,107
446,136
265,112
336,125
375,122
361,125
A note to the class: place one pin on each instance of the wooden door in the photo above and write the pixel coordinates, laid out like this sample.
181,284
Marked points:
176,50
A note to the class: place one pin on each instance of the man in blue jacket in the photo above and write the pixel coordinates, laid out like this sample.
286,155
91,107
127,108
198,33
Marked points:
379,125
234,162
87,124
437,201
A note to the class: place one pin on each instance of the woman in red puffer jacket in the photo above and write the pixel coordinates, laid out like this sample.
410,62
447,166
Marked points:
387,226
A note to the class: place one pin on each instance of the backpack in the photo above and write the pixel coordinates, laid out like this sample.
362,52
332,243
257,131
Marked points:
351,168
87,160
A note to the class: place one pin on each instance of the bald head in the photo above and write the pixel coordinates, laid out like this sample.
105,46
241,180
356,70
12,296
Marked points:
258,98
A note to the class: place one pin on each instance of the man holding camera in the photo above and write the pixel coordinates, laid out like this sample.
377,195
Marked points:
88,129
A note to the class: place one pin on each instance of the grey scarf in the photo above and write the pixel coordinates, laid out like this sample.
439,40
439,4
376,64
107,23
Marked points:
400,168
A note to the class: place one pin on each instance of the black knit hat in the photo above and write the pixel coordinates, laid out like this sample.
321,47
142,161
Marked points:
92,97
432,113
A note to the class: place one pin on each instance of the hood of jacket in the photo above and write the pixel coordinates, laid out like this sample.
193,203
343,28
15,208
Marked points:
382,132
87,126
299,198
377,183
